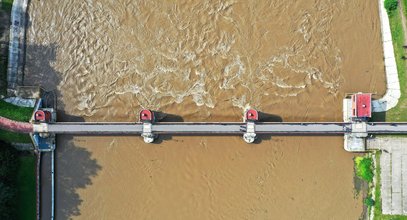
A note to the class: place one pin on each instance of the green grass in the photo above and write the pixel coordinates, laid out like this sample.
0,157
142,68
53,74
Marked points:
399,113
26,195
364,168
11,137
7,5
404,4
378,215
15,112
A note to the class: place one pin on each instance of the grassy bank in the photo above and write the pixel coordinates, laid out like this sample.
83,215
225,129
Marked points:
11,137
16,113
364,168
7,5
26,196
17,184
399,113
17,181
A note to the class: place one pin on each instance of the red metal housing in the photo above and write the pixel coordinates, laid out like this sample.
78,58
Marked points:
252,115
43,116
146,115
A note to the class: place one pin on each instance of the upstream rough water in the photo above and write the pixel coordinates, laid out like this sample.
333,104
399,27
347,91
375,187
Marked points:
204,61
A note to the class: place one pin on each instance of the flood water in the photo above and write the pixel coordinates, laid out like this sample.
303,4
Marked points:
204,61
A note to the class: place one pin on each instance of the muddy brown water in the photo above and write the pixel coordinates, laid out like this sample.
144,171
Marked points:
204,61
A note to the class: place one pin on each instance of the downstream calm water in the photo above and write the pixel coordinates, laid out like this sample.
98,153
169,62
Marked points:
204,61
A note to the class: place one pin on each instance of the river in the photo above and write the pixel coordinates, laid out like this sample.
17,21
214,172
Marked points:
204,61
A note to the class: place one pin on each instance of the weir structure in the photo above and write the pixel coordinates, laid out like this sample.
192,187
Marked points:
355,128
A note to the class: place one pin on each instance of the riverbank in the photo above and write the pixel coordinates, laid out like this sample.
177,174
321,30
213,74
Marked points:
399,113
24,173
18,114
8,110
25,184
17,183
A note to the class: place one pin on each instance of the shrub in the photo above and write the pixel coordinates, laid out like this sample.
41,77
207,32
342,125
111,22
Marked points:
364,168
369,201
390,5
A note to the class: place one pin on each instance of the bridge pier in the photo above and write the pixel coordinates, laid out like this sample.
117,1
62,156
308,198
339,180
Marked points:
42,139
250,135
357,111
147,118
147,134
354,128
250,117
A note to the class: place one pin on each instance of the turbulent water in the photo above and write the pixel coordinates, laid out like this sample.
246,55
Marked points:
204,60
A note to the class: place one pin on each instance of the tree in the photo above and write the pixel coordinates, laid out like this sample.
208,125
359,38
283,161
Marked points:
7,201
8,172
390,5
8,163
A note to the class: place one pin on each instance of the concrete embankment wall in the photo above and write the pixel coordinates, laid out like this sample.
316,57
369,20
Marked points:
16,58
392,96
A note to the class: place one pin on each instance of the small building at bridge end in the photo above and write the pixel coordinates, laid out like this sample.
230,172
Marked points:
146,116
250,117
43,141
357,109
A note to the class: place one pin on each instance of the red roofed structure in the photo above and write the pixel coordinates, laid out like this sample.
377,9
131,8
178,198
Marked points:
362,105
146,115
252,115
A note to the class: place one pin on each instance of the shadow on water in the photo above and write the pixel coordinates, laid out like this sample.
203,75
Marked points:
162,138
74,170
266,117
40,72
38,69
166,117
74,165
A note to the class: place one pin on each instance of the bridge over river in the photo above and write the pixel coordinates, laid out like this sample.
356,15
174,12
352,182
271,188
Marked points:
220,128
43,128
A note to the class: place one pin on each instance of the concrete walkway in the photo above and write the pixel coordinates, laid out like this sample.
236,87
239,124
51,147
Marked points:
21,101
15,126
46,186
392,96
393,164
16,45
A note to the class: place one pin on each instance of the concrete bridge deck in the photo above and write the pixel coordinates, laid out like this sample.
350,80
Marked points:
291,128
